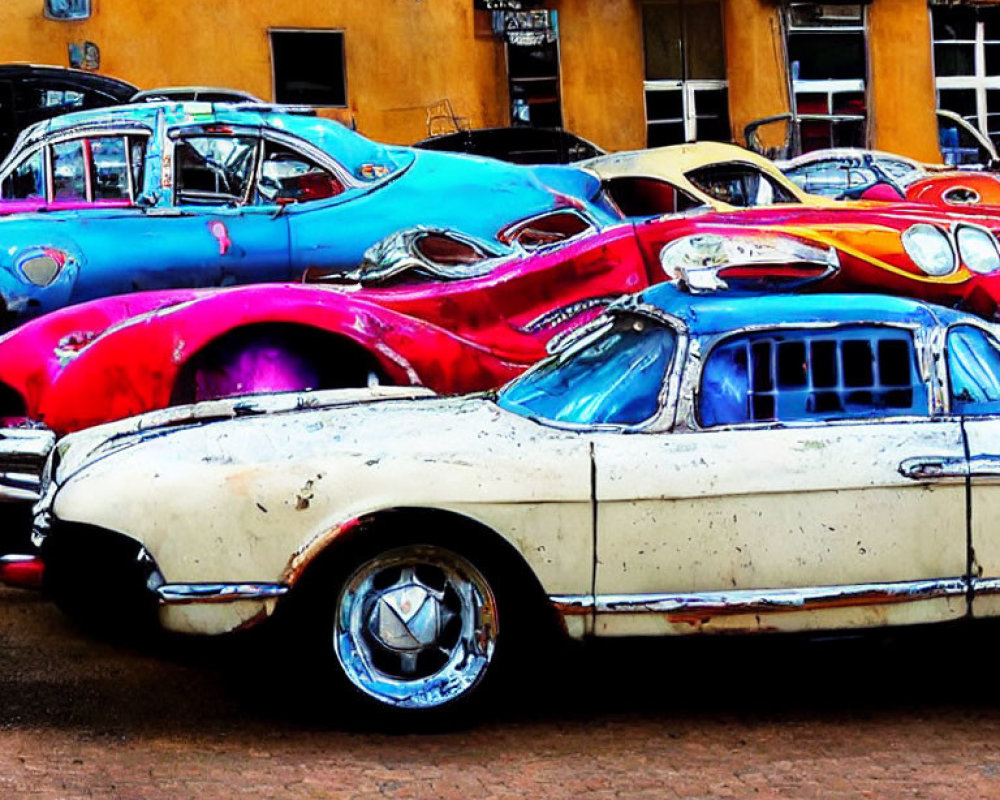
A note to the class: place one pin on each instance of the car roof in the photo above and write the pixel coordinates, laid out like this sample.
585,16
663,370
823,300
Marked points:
722,312
352,149
79,77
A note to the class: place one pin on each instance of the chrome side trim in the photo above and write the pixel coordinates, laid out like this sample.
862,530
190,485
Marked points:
187,593
986,585
756,601
984,465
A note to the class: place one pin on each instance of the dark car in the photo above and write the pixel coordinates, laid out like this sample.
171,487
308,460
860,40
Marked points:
30,93
519,145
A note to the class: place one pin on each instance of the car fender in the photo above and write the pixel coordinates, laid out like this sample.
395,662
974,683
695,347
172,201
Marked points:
132,367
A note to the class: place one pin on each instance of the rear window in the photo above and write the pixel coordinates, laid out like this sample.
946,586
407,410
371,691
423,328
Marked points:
810,374
741,185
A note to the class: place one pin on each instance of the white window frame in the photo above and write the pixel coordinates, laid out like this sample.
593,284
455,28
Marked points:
688,105
980,82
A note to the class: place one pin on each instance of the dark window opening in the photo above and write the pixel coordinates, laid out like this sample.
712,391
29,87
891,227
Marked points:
802,375
309,68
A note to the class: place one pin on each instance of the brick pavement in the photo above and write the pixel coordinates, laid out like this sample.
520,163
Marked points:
83,718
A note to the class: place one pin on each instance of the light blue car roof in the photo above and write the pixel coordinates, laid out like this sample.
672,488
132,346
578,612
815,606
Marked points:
705,315
351,149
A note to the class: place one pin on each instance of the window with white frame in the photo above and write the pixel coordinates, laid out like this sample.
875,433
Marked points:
686,92
967,64
827,62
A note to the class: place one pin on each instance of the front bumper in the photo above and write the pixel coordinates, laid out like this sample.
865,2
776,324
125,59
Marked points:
22,459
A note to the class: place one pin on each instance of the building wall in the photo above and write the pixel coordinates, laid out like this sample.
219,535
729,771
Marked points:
755,62
402,56
602,71
901,75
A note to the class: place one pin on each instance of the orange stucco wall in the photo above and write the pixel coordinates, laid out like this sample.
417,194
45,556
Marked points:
602,71
755,61
901,74
402,55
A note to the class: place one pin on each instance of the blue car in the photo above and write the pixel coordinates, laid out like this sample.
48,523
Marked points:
194,194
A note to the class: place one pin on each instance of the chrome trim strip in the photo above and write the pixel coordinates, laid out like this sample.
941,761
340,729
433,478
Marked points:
755,601
187,593
984,465
986,586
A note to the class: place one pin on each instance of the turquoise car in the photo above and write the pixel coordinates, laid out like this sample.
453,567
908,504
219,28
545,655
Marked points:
174,195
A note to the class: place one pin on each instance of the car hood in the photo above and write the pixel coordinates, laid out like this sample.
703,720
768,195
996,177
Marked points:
78,450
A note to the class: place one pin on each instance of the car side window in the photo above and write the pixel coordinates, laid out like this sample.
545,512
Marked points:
741,185
213,170
613,379
289,176
784,376
831,177
109,168
69,171
27,180
973,371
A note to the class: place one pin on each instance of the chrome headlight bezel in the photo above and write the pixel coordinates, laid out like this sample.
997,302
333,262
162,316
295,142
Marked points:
931,249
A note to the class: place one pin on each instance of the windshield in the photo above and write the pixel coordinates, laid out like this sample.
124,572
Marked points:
615,378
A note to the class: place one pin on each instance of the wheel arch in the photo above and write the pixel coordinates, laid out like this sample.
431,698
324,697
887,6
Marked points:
310,340
466,535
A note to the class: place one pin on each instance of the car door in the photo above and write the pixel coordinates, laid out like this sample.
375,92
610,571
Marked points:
812,490
233,230
973,357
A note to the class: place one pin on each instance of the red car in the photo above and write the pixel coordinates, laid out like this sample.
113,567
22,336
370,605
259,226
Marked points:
454,314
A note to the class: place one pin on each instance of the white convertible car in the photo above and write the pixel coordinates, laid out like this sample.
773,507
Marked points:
684,465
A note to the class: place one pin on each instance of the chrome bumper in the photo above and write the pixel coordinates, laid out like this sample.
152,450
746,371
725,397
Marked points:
22,458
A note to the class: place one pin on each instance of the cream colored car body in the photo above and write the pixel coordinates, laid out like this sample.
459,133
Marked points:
659,529
672,164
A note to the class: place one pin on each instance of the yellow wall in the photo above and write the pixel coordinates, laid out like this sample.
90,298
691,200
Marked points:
755,62
402,55
901,76
602,71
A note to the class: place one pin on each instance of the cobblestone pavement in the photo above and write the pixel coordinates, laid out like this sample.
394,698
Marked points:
916,717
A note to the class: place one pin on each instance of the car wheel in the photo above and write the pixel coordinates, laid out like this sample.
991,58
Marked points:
416,629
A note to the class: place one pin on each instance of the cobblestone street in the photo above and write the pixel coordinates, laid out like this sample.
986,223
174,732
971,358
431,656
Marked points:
82,718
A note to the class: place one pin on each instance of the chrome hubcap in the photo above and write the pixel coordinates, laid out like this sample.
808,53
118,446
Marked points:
416,627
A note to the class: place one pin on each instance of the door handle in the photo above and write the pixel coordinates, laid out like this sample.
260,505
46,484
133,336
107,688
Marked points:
929,467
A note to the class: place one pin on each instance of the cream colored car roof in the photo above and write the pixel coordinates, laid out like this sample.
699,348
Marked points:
673,162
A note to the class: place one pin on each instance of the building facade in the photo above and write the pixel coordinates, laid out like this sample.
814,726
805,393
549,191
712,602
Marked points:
622,73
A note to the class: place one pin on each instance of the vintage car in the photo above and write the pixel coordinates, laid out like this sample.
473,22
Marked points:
847,172
33,92
457,314
850,174
217,195
413,539
667,180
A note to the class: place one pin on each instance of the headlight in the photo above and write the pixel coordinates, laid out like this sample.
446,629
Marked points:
930,249
978,249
